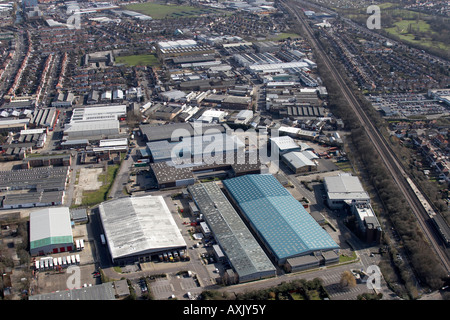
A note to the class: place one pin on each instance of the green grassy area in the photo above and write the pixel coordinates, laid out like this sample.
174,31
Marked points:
405,24
404,28
285,35
141,60
91,198
345,166
314,295
387,5
161,11
343,258
297,296
117,269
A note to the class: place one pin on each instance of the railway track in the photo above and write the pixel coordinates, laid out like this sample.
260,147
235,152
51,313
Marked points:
388,157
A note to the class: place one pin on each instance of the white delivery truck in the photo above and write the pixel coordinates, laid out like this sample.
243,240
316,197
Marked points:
72,257
82,244
77,244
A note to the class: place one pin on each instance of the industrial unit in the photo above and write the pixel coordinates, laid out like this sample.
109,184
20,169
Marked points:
59,160
245,255
169,176
50,231
280,221
104,113
197,147
298,162
39,179
285,144
33,199
137,228
104,291
78,130
177,131
45,117
344,189
171,49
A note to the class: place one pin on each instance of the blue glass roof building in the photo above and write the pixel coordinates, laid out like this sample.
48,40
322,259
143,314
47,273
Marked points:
281,222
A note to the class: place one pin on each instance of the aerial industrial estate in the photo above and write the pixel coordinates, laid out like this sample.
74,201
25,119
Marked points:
236,150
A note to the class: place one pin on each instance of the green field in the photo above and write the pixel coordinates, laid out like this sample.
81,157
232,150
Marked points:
406,25
405,29
161,11
139,60
285,35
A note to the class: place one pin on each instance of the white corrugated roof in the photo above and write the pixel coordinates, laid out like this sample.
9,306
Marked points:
285,143
50,222
345,186
298,159
139,225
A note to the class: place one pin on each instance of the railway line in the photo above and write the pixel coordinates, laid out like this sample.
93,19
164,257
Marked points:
388,157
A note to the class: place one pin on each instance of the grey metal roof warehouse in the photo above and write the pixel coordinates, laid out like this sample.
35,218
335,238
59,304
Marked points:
31,199
163,132
170,174
173,132
104,291
92,128
345,187
242,250
199,147
136,226
41,179
298,160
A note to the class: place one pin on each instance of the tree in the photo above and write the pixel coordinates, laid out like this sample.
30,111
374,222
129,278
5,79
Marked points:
347,280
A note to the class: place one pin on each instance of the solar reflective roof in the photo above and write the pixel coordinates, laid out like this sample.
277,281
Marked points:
284,224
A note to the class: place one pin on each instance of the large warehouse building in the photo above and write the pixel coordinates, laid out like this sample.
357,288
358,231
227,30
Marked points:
106,113
50,231
344,189
245,255
284,226
137,228
77,130
193,148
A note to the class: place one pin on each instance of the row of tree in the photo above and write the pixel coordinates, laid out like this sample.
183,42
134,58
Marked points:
308,289
422,259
